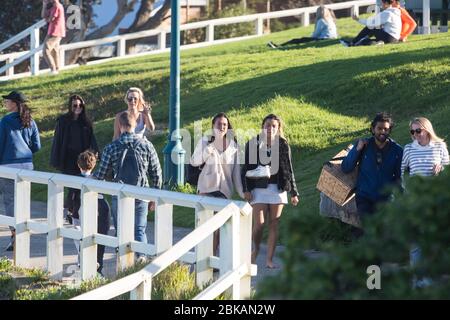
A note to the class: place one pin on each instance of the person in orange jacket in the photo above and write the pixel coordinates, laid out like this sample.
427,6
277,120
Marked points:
408,23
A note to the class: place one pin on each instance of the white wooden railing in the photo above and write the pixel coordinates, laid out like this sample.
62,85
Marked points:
233,219
12,59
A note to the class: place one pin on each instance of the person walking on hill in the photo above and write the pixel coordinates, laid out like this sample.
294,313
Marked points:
53,13
267,176
19,140
74,133
325,28
384,27
131,159
379,159
218,156
141,110
426,156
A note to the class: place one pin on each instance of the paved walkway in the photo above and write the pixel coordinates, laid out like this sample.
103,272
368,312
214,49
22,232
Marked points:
38,249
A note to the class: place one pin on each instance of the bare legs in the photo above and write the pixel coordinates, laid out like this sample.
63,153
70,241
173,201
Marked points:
273,211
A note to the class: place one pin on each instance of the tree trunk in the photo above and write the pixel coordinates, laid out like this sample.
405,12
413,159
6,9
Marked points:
123,7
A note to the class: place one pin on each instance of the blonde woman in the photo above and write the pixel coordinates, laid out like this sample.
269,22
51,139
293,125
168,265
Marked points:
427,154
267,176
134,98
325,28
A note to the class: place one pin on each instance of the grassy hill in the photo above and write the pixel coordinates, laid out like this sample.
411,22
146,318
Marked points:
325,93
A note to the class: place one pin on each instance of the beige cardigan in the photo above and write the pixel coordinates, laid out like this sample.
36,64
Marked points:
221,172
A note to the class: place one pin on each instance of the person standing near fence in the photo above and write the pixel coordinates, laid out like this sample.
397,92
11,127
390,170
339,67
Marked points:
19,140
131,159
379,159
218,156
267,176
73,134
53,13
86,162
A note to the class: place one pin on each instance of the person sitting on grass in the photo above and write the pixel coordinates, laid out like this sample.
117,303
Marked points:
325,28
408,23
384,27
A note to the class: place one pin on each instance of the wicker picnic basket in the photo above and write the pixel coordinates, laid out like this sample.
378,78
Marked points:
334,183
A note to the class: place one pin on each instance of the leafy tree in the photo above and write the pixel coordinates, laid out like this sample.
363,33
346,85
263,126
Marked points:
420,216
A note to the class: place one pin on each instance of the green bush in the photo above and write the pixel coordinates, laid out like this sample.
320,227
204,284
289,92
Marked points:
419,216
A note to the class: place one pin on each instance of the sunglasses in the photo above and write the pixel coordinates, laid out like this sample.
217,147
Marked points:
74,106
418,131
132,98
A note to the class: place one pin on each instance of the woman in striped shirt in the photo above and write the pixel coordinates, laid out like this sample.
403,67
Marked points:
427,154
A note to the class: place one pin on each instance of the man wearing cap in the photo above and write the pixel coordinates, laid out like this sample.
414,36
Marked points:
53,13
19,139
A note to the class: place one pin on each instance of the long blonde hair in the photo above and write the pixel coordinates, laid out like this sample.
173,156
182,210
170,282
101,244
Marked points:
325,13
141,102
426,124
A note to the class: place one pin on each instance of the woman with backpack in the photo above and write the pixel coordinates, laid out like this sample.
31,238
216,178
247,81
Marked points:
134,98
19,140
267,176
218,157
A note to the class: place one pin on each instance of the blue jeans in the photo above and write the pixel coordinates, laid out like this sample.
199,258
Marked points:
7,192
140,218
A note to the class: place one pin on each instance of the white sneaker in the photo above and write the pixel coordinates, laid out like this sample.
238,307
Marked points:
259,172
272,45
141,260
344,43
54,72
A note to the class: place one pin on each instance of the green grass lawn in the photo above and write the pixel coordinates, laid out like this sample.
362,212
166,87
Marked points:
325,93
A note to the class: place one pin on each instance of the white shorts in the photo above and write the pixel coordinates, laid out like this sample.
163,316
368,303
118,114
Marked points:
269,195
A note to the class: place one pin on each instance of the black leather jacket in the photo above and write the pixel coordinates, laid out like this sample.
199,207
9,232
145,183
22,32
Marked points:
286,179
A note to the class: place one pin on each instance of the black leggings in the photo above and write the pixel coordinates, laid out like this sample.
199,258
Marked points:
299,40
378,34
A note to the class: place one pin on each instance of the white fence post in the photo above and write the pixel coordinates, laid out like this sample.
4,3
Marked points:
55,222
88,220
10,71
121,48
142,291
34,43
62,58
204,250
245,241
209,33
125,232
22,192
230,250
426,17
162,40
354,11
163,226
305,19
259,26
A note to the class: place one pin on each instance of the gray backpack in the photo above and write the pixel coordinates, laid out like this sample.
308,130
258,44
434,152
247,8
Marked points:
130,166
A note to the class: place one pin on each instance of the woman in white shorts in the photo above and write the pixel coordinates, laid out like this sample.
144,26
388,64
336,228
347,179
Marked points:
267,176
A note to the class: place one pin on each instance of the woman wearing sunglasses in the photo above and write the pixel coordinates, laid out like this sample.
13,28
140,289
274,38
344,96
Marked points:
74,134
427,154
134,98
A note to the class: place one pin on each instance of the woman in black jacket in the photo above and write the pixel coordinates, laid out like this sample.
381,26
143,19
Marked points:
267,176
74,134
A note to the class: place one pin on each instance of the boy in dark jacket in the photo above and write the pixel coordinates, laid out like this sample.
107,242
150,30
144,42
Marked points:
86,162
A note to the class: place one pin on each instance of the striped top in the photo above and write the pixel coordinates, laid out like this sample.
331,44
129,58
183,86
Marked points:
419,160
